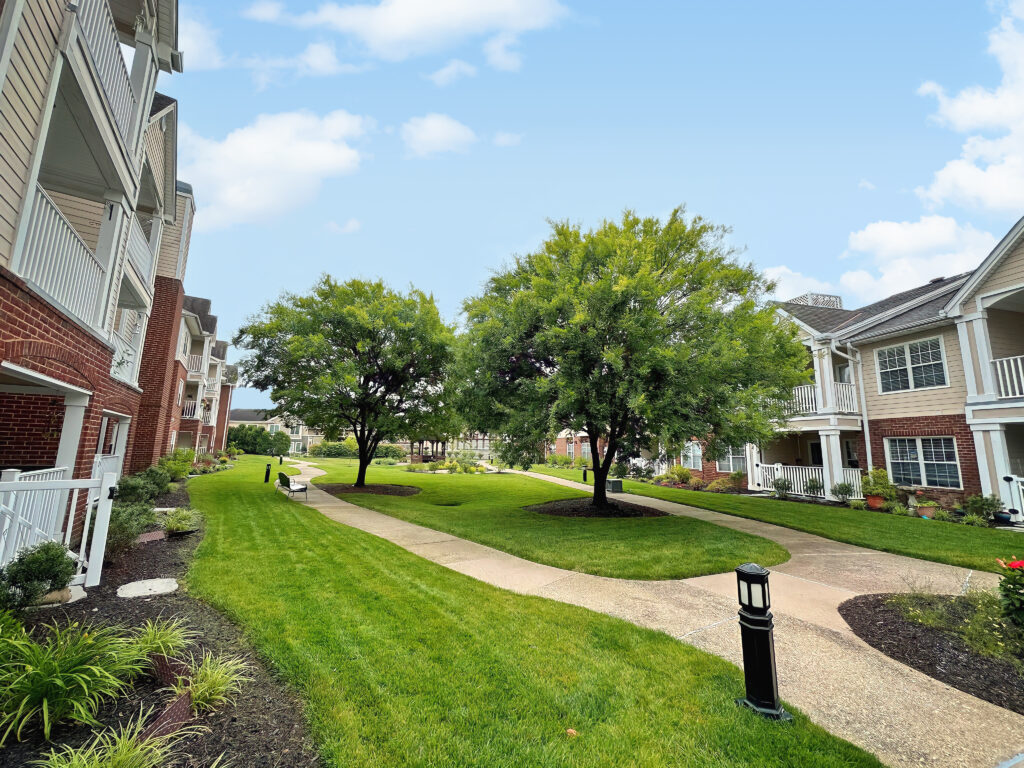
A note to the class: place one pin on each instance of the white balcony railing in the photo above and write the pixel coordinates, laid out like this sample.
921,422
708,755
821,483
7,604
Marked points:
207,417
804,400
57,260
105,48
139,253
194,363
191,410
127,355
845,397
1009,376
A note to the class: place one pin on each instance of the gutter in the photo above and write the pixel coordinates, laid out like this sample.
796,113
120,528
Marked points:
855,359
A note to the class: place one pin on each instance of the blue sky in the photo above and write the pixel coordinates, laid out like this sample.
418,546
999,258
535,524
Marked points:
853,148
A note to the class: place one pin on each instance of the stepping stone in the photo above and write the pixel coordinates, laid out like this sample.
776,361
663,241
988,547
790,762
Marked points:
145,538
147,588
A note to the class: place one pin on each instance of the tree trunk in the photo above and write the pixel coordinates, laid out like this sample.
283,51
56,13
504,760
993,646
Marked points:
365,455
600,488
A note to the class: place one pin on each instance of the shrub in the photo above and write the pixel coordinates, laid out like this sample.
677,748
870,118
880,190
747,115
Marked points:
166,637
680,474
842,492
389,451
559,460
782,486
938,513
158,477
983,506
876,483
46,567
857,504
620,469
696,483
974,520
213,681
121,747
65,677
579,463
178,463
642,470
1011,591
127,522
135,488
721,485
814,486
900,510
738,480
181,520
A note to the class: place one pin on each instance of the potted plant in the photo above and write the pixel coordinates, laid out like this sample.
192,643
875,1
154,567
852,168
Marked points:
877,488
990,507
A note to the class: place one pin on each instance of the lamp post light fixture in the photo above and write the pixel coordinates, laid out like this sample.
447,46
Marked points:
757,633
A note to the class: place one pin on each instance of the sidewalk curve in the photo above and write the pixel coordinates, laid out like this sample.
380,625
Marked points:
903,716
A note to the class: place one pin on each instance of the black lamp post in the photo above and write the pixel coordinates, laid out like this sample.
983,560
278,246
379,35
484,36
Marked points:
266,477
757,632
1009,480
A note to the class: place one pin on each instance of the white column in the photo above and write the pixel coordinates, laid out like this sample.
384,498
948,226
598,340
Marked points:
1001,459
828,401
121,444
145,70
988,383
831,459
71,431
963,335
819,393
108,251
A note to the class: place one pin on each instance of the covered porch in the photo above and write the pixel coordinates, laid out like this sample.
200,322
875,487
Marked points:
813,462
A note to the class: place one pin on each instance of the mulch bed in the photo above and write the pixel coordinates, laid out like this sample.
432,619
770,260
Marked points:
586,508
338,489
938,654
263,729
176,497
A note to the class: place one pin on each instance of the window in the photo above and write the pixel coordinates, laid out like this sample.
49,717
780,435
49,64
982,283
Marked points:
181,389
295,430
916,365
692,457
585,450
174,439
570,448
930,461
736,461
274,428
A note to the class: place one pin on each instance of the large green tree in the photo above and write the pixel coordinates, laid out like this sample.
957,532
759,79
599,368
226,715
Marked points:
639,332
352,356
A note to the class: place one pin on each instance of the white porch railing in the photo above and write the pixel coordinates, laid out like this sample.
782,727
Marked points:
805,400
105,48
852,476
57,260
1009,376
797,476
207,416
845,397
194,363
43,506
139,253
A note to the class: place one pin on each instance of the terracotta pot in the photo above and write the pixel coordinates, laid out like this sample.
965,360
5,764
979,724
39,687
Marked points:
56,597
874,502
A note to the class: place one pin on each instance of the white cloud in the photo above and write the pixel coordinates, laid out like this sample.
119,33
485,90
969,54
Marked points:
503,139
316,60
790,284
499,54
198,42
394,30
350,227
989,173
865,184
270,166
450,72
904,254
434,133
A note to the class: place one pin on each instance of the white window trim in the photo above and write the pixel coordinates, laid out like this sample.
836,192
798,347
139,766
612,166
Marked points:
921,462
570,448
684,456
181,390
910,371
734,453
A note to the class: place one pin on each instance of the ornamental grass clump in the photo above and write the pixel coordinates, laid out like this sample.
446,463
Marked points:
163,637
182,520
121,747
1011,591
63,678
213,681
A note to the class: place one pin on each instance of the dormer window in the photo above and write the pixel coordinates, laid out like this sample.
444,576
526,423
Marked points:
914,365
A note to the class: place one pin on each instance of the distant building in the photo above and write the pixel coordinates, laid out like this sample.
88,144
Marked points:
302,437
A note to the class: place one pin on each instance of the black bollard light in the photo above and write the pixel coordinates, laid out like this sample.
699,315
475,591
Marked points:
1009,480
757,633
584,474
266,477
280,459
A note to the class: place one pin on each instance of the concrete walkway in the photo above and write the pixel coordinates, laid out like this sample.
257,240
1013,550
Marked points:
844,685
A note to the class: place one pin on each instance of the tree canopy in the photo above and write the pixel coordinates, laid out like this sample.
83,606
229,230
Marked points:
637,333
352,355
250,438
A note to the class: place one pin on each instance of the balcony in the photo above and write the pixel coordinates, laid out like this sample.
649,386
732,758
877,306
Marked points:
192,409
140,255
1009,373
101,40
194,364
805,401
58,262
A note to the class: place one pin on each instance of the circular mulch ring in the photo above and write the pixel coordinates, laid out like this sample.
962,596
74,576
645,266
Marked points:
585,508
940,655
337,489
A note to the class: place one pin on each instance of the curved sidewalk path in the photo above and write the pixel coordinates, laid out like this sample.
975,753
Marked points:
841,683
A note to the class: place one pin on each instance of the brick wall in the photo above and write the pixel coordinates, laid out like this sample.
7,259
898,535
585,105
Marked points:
222,418
159,373
34,335
932,426
25,415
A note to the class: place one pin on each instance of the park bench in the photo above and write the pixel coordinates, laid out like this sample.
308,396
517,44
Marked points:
290,486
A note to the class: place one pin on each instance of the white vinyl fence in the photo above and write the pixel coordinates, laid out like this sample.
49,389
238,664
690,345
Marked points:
798,476
44,506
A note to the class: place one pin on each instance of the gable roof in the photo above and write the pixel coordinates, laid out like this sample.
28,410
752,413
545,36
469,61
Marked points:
247,414
820,319
977,277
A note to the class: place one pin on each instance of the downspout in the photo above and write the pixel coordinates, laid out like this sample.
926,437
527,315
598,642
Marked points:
855,359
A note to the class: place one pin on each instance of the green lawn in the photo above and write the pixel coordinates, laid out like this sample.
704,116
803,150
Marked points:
960,545
402,662
489,509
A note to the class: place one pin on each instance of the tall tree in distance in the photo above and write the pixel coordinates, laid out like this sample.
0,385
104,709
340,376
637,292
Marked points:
353,356
636,332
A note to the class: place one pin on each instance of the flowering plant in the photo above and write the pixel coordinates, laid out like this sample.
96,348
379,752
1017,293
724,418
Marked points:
1011,591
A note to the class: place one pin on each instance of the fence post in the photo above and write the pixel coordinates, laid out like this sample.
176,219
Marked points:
100,524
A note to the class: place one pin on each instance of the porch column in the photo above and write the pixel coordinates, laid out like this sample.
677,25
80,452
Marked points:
108,251
145,70
121,444
831,459
753,466
994,463
71,431
984,349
